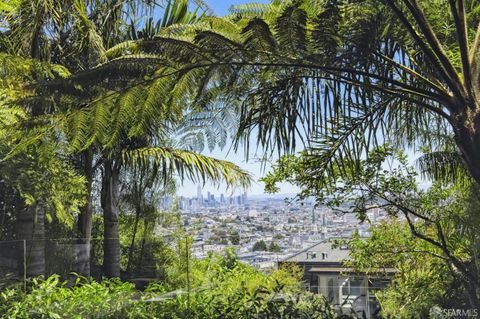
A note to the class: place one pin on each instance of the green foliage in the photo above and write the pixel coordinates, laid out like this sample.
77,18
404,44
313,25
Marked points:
423,278
223,288
78,105
260,246
273,247
291,66
54,299
260,303
342,77
343,74
431,237
229,289
37,170
432,244
8,6
187,164
234,237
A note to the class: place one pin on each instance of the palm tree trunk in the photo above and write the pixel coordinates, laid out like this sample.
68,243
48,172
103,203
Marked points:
467,137
31,228
134,235
111,241
144,239
85,218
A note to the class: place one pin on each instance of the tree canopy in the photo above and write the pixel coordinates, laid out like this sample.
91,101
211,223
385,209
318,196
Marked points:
91,95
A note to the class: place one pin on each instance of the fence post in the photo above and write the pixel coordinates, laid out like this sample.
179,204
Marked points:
25,265
188,276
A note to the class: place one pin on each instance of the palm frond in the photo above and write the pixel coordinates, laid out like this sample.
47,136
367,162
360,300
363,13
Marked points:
447,167
187,165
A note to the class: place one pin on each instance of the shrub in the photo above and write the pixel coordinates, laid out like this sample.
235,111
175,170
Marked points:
52,298
221,287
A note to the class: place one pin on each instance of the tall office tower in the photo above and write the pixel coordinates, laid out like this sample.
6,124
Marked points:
209,199
324,218
376,213
167,202
222,199
199,196
181,203
244,198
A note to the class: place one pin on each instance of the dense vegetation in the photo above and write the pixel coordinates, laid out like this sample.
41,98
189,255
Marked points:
85,170
75,152
103,108
220,288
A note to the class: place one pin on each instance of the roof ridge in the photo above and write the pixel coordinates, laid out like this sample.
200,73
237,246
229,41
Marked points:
310,247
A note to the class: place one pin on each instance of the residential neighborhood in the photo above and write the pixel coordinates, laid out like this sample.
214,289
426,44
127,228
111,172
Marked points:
284,224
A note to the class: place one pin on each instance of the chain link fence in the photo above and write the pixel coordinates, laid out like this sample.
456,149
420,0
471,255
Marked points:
12,262
20,259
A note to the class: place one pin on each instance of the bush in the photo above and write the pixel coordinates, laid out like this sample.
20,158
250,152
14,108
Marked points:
261,303
221,287
52,298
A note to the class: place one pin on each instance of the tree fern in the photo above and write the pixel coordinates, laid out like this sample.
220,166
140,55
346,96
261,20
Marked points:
290,27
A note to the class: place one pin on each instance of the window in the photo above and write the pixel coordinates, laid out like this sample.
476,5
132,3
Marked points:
331,293
356,287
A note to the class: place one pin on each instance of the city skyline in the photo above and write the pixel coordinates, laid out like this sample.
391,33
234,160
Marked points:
254,166
200,201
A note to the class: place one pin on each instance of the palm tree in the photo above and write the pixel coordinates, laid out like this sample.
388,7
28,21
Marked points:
44,32
68,35
342,72
36,181
138,115
65,33
342,76
128,127
348,76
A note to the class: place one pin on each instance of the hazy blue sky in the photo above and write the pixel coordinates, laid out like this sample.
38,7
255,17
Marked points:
220,7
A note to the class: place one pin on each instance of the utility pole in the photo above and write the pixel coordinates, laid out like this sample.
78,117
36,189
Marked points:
188,276
24,265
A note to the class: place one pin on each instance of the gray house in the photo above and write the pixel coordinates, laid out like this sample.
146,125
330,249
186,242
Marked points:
350,292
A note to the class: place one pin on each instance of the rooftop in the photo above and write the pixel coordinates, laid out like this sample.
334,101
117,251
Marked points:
320,252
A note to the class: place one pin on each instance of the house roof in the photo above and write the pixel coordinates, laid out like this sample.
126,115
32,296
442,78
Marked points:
321,252
326,269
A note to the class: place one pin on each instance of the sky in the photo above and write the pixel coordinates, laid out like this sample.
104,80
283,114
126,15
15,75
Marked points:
220,7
